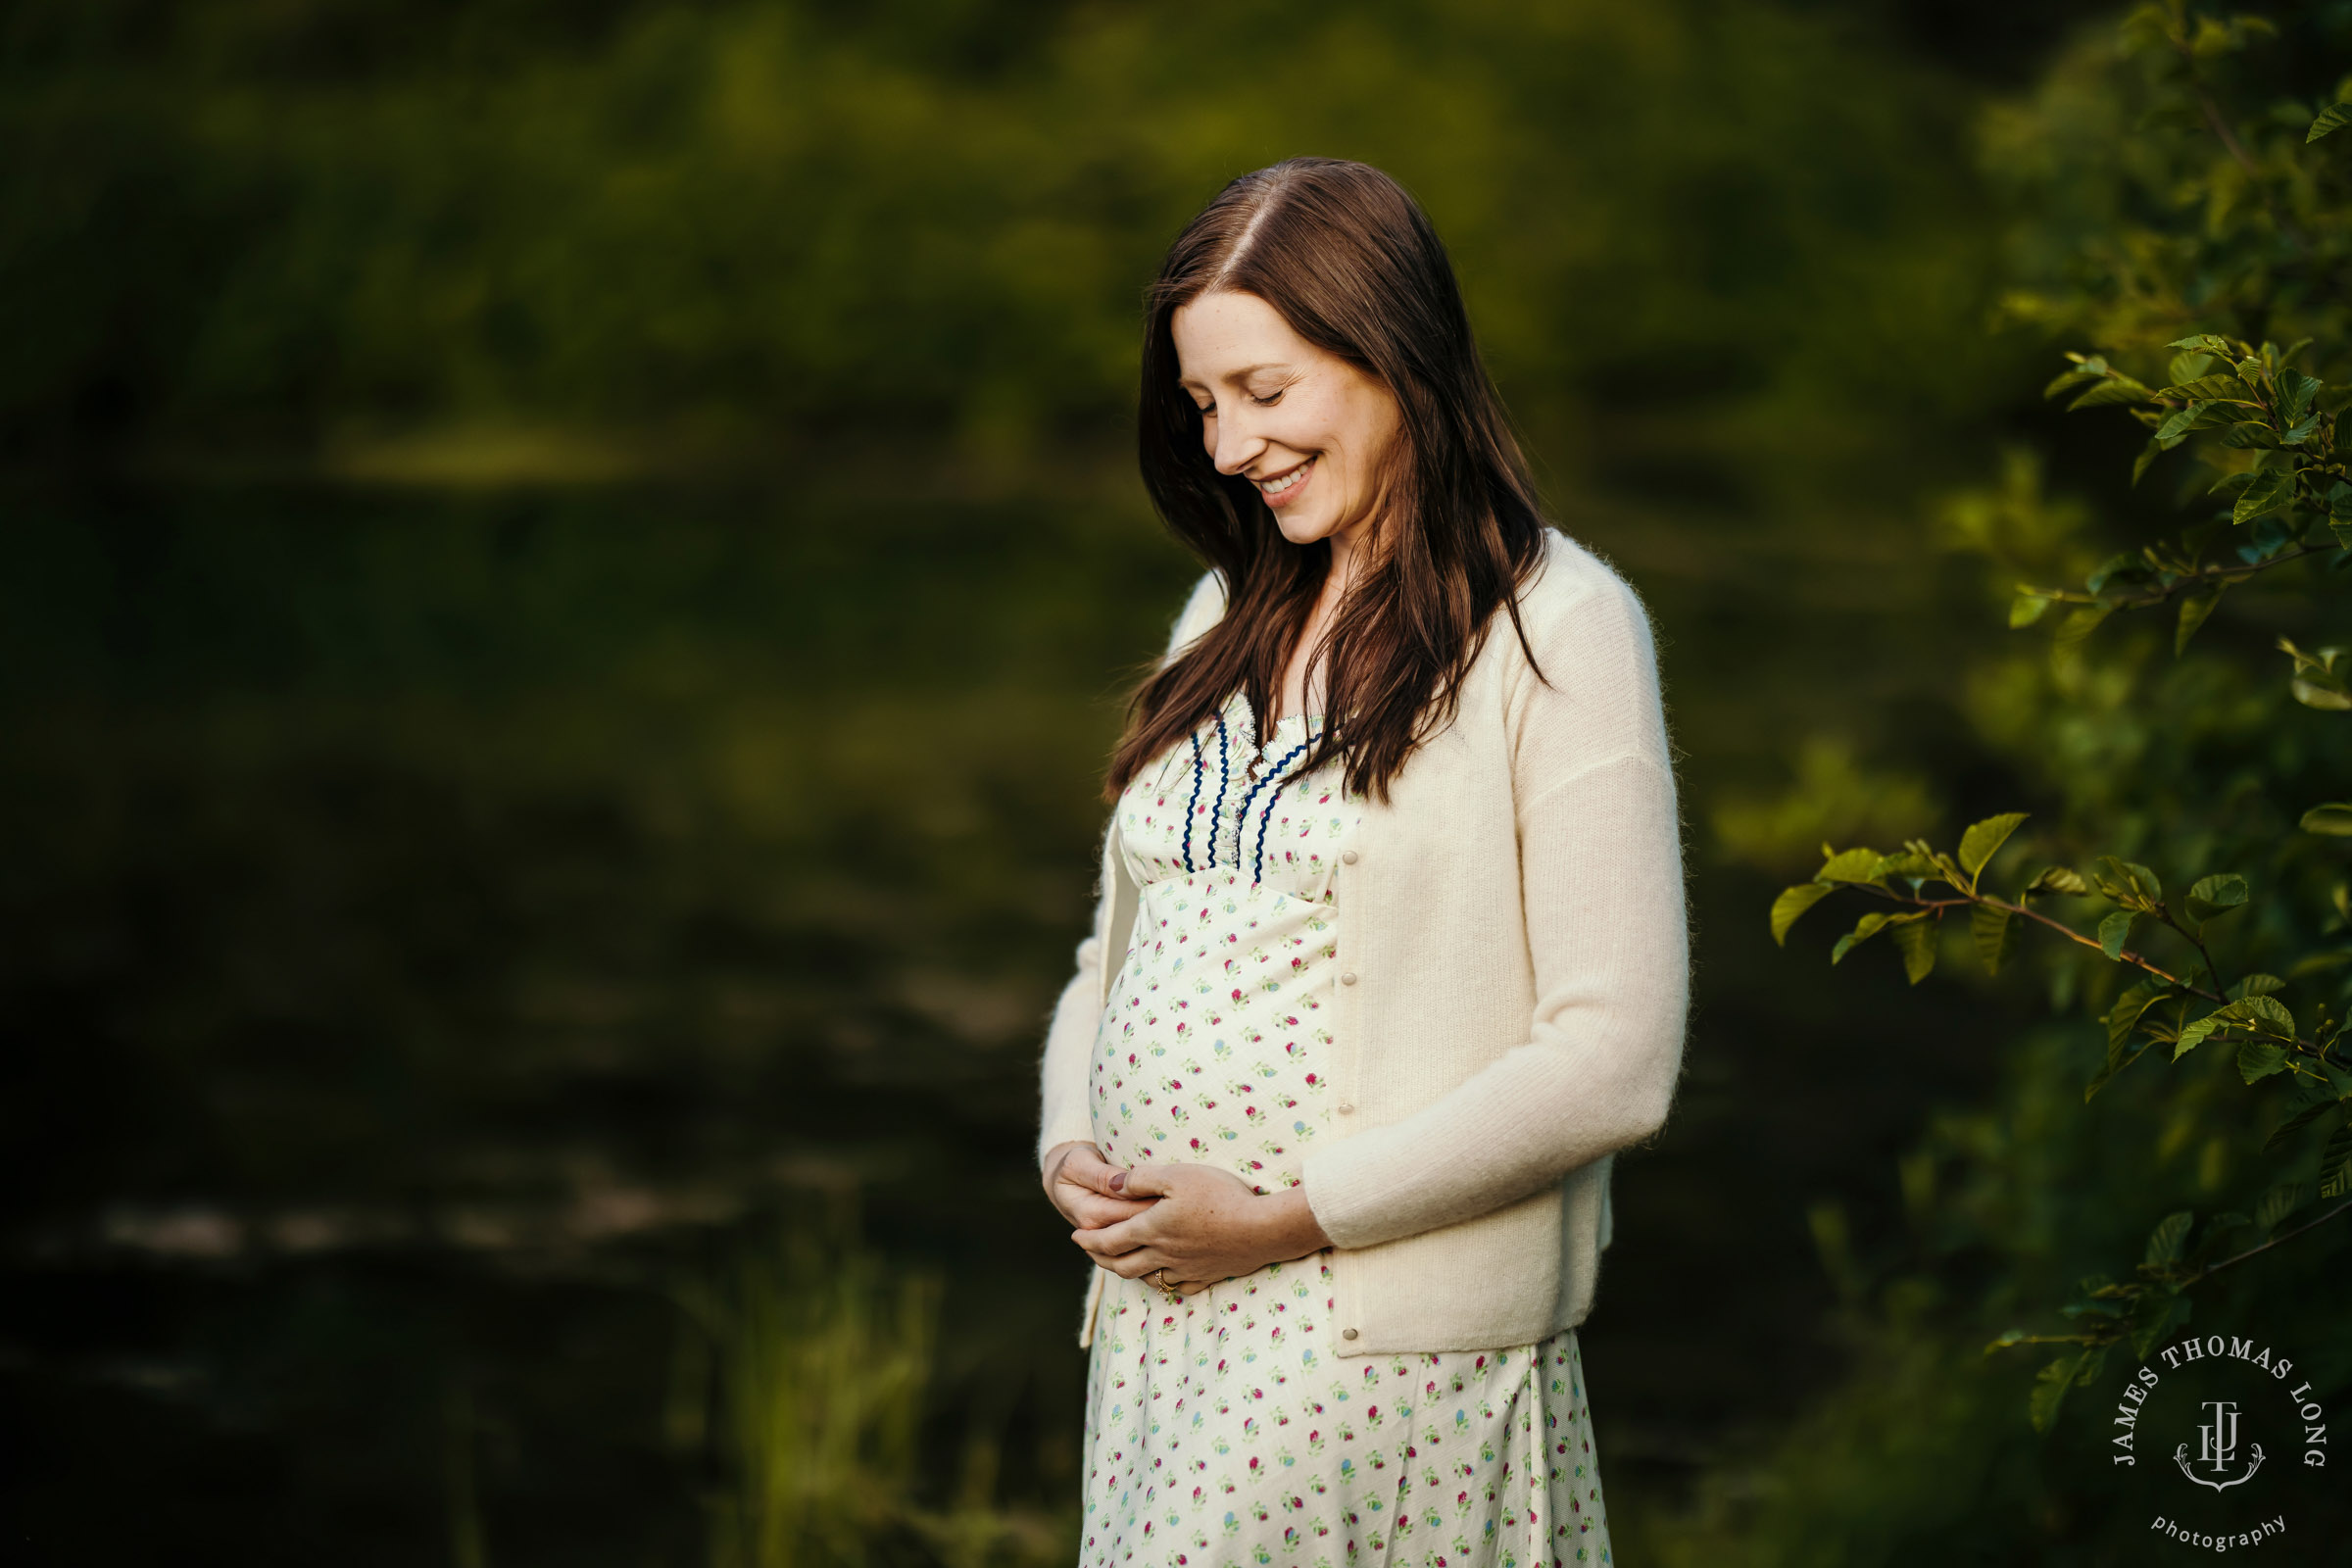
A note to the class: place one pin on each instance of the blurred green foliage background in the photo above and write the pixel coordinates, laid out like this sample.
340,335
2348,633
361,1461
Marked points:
571,568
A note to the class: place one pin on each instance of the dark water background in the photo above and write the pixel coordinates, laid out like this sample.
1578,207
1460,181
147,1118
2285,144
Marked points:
445,928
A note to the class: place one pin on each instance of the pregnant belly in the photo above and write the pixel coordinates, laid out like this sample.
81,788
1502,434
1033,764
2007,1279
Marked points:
1193,1067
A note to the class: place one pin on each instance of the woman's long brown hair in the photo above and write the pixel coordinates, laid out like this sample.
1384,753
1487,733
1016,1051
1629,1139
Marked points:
1347,258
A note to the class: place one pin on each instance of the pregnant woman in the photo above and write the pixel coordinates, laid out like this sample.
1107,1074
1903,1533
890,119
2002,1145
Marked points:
1391,953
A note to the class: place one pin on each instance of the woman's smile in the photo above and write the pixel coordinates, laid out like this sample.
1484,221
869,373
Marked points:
1281,489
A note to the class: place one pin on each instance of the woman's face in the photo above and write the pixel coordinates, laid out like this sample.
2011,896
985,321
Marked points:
1309,429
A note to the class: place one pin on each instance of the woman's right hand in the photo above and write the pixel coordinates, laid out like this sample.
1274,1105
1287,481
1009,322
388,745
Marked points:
1077,1179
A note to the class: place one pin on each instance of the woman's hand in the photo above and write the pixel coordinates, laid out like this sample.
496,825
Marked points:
1205,1225
1078,1180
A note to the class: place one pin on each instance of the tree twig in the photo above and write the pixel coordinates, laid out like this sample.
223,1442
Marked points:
2139,960
2155,595
2282,1236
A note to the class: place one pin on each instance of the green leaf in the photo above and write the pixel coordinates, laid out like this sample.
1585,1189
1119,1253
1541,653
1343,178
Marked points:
2187,367
2284,1133
2027,608
2295,394
2195,1035
1995,934
2123,1017
1916,938
2093,370
1905,863
2277,1203
2257,984
2166,1240
1792,902
2115,389
2268,491
2215,896
2113,932
2257,1060
2321,688
2127,562
2333,117
2127,882
1979,844
2218,1231
2058,879
2208,343
2165,1016
1850,865
2076,627
2262,1015
2049,1390
2194,609
2221,388
2193,418
1864,929
2334,819
2153,1316
2335,1164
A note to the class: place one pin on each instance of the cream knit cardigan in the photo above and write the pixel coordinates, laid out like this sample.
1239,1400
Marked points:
1514,981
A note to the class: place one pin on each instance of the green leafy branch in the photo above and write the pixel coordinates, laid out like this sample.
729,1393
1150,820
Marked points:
2142,1310
1926,884
2246,1014
2294,495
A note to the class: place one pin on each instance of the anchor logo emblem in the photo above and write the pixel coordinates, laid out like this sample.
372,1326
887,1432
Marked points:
2216,1448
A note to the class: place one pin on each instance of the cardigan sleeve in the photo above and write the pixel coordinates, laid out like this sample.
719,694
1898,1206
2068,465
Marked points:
1065,1115
1602,879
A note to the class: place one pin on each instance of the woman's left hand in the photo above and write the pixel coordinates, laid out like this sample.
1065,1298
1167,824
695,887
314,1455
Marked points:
1207,1226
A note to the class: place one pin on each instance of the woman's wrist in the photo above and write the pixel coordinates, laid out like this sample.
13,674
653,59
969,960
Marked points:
1288,1226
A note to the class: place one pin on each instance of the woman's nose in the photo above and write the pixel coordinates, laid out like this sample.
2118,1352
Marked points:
1237,446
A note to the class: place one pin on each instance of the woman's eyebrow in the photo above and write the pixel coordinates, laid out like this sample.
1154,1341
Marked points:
1243,373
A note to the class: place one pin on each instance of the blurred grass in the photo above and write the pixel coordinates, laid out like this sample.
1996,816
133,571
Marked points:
805,1369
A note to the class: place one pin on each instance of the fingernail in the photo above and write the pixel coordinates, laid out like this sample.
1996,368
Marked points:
1118,1181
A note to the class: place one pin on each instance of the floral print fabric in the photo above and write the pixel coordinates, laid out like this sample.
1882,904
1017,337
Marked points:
1225,1430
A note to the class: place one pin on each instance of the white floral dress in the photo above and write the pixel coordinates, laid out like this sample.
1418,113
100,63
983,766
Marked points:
1223,1431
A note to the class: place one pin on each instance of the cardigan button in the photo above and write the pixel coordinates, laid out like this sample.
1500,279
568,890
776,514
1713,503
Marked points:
1349,978
1347,1108
1346,1334
1347,857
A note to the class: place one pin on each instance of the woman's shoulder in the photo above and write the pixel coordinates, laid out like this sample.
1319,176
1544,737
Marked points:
1594,692
1202,608
1574,596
